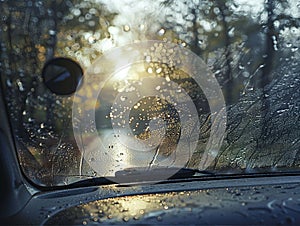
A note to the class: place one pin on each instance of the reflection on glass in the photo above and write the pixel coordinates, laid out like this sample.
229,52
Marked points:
252,48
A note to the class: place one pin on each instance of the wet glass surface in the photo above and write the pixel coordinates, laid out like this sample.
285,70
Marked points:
252,49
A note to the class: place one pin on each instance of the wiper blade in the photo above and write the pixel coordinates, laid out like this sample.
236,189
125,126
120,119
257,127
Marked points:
140,174
93,181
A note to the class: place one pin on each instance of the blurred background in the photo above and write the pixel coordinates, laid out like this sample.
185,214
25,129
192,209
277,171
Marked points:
252,47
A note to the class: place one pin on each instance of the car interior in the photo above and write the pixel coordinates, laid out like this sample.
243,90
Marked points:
150,112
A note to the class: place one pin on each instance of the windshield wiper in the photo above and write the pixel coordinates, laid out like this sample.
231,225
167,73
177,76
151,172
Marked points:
157,174
93,181
142,174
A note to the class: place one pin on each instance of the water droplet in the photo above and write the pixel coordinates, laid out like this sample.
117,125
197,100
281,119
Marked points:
8,83
246,74
150,70
92,39
142,211
159,218
161,32
142,27
241,67
168,78
123,98
126,28
276,23
52,32
76,12
282,111
270,204
20,85
148,59
158,70
288,44
126,219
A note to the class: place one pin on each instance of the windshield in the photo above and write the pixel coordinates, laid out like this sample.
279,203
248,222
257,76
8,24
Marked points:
210,85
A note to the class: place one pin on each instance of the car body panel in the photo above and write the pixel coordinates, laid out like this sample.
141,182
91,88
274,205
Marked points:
253,200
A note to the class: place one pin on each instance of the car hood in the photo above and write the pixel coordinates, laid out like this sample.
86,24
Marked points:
249,204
